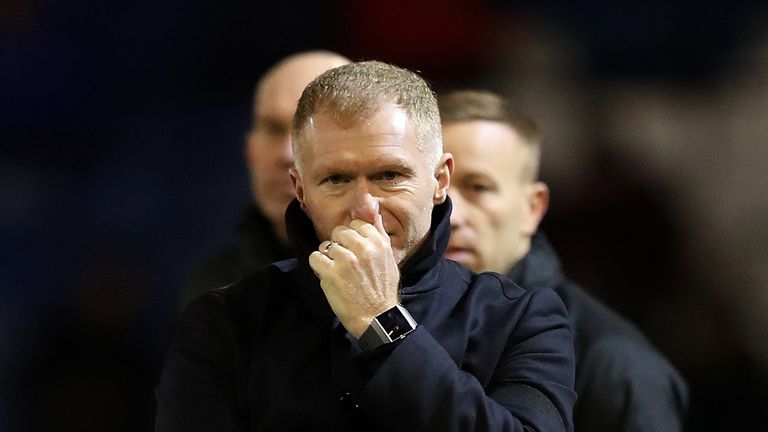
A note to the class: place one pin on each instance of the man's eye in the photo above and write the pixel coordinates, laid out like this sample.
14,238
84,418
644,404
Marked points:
389,175
334,179
479,187
271,128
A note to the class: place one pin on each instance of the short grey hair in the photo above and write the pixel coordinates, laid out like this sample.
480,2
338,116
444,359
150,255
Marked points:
355,92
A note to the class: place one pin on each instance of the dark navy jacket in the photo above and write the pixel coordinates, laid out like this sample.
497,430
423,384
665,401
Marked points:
268,354
624,383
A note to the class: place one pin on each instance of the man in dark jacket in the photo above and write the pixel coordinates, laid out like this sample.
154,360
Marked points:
370,328
623,383
269,156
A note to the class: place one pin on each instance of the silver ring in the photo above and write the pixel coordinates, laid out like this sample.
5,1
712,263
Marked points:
328,247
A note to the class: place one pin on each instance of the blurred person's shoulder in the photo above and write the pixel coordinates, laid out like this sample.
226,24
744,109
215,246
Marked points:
256,248
612,351
220,269
242,302
594,320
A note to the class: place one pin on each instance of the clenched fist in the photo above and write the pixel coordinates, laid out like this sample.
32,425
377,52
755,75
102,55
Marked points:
358,273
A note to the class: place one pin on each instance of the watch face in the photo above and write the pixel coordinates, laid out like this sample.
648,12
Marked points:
395,323
388,327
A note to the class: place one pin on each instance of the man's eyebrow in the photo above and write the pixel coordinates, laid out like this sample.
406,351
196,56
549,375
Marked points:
477,176
323,172
268,120
474,177
399,165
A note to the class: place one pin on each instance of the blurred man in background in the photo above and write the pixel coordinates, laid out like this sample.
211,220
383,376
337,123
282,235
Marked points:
268,154
623,383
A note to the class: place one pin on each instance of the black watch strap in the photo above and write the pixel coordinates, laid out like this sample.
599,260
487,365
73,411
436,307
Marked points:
390,326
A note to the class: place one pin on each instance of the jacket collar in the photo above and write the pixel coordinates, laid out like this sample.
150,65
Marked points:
539,268
426,260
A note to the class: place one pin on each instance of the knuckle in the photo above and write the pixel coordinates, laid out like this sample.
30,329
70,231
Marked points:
380,241
345,237
369,250
336,231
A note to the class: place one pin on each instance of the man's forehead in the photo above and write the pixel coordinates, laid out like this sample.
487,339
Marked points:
389,126
388,136
282,86
483,137
280,94
485,148
387,119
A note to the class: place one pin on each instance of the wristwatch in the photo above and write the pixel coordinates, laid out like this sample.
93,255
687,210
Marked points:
390,326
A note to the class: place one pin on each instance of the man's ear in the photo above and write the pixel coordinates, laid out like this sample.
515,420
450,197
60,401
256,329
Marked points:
298,186
538,202
443,174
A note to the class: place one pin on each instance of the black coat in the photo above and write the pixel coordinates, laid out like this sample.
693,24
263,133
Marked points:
268,354
623,383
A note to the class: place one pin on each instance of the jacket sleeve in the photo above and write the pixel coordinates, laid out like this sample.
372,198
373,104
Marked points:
197,386
420,387
628,387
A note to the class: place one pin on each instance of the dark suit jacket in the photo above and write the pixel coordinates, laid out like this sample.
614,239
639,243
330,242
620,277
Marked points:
268,354
624,384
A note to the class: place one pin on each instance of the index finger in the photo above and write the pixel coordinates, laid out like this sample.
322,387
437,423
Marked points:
320,264
367,230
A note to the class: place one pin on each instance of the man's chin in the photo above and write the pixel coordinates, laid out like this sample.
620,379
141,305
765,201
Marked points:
462,256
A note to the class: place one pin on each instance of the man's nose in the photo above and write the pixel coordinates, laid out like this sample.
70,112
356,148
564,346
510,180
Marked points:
458,212
365,206
285,155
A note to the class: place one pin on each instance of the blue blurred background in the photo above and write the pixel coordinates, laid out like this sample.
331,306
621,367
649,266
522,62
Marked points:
121,168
